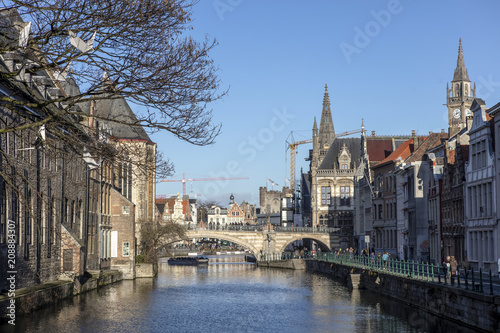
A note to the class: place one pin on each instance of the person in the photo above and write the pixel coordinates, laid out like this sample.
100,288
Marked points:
453,265
446,266
466,264
385,257
498,264
372,258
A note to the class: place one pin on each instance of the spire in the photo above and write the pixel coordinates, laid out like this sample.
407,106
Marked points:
326,130
460,72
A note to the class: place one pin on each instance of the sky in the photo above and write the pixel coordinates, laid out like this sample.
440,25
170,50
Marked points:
387,62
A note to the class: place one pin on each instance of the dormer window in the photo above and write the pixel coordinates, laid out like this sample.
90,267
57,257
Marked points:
344,158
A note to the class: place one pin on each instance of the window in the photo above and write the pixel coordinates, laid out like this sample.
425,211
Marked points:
126,249
344,166
326,197
126,210
345,197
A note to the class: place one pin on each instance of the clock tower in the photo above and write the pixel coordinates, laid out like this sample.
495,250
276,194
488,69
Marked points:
459,98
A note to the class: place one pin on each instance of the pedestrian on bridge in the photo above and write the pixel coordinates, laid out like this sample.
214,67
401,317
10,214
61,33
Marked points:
453,265
498,264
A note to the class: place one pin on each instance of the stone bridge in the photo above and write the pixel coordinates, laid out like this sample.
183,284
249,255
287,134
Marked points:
267,241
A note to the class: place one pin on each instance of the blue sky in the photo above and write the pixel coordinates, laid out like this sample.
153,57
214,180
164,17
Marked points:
385,61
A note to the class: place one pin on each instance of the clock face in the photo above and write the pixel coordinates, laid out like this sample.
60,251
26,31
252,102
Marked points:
456,113
468,113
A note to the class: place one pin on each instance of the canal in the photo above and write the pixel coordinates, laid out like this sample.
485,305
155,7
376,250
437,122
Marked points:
229,295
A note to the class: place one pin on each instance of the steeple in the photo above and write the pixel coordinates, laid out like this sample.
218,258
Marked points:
459,95
315,127
460,72
326,130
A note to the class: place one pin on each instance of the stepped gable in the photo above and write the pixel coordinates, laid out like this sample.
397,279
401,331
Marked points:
331,159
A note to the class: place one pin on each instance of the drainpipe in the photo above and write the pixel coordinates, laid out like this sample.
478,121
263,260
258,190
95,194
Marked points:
87,215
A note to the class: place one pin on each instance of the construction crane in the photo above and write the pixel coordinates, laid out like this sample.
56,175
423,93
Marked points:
184,180
166,196
293,150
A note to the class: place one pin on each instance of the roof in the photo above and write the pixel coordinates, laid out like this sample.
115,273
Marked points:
431,141
122,121
403,151
331,158
460,72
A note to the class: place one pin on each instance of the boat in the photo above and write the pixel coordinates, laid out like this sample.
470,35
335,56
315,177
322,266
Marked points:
188,260
250,258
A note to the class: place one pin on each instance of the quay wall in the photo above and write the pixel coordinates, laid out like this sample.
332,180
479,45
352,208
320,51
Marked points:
475,310
297,264
35,297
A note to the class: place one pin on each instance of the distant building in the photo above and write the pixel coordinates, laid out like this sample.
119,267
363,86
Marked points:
481,211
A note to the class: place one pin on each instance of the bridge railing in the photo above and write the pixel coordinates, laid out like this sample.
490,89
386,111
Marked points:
416,270
283,256
254,228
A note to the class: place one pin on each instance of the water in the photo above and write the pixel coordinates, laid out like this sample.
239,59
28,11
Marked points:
229,295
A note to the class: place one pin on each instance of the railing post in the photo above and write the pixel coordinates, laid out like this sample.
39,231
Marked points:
439,273
458,277
473,281
466,282
445,274
491,284
481,279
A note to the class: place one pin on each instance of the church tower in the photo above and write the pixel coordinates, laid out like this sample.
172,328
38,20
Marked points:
459,98
326,130
322,138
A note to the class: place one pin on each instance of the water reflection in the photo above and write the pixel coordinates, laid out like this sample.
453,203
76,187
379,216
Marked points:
230,295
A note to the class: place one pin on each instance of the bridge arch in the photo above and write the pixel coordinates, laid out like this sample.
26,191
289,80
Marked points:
324,247
222,236
262,241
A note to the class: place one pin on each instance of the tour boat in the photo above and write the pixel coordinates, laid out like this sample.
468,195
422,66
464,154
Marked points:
188,260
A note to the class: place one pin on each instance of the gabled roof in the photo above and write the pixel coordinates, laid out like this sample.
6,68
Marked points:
122,120
431,141
403,151
331,159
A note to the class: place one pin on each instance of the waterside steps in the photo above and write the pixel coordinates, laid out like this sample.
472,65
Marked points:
353,281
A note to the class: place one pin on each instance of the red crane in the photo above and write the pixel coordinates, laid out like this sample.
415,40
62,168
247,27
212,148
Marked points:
184,180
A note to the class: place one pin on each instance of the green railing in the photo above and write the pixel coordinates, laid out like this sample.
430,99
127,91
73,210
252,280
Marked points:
429,272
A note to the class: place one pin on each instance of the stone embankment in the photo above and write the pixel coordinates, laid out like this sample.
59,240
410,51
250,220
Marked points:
35,297
475,310
297,264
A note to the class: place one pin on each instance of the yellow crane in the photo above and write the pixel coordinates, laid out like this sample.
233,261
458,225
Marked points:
293,150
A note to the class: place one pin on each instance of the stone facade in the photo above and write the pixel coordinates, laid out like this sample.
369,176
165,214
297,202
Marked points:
480,203
122,247
55,197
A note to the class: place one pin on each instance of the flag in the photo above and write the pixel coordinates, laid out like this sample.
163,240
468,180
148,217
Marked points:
272,182
287,180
